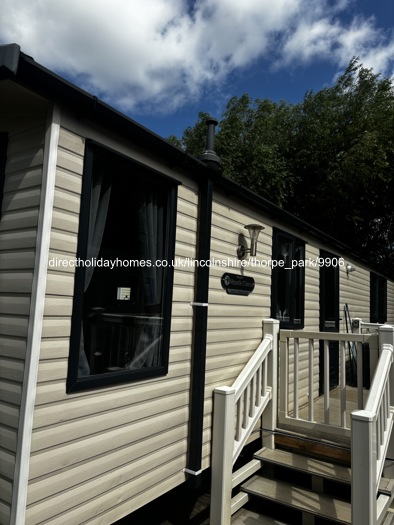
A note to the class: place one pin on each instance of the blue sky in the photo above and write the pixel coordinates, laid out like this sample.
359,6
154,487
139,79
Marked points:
163,61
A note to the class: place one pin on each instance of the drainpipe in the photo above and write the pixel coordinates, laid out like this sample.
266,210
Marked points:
200,317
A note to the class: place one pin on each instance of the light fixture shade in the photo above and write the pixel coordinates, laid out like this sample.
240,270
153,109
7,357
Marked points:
254,230
350,268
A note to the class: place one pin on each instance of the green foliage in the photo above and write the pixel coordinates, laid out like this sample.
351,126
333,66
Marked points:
328,159
251,146
343,159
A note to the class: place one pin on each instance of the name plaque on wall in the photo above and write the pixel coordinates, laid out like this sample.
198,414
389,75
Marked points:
237,284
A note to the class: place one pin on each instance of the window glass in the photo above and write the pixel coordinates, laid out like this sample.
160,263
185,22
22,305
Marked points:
288,280
123,286
378,298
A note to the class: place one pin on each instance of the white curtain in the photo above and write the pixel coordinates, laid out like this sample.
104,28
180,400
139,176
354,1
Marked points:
151,242
99,203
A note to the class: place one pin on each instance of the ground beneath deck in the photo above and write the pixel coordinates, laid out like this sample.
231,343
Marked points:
181,506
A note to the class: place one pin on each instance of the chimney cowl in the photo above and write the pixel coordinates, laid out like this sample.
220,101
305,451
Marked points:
209,156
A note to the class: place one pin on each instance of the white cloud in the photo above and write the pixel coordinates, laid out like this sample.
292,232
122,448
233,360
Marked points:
164,53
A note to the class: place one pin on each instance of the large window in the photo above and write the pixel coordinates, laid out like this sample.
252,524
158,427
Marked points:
288,278
378,296
123,282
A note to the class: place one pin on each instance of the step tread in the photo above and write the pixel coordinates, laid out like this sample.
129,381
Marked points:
299,498
318,467
389,519
248,517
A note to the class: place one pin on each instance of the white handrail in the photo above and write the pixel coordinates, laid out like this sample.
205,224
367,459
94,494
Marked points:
236,412
251,395
371,434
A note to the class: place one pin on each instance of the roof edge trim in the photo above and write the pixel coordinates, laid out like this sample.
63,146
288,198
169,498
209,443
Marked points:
9,59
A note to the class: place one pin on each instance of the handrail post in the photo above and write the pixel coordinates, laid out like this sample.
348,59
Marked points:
270,414
356,325
283,377
363,469
386,336
222,455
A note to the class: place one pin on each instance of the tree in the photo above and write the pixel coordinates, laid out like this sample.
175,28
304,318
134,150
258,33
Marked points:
343,156
328,159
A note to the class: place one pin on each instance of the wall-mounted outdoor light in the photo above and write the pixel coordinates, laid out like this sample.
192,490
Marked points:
350,269
254,230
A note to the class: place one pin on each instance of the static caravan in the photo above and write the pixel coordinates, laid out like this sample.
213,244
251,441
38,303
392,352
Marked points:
129,291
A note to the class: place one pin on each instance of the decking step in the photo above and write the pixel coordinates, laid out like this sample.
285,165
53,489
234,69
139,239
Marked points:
248,517
389,519
298,498
301,463
315,467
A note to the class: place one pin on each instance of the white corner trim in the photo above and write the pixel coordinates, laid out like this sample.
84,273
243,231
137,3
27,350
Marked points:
22,461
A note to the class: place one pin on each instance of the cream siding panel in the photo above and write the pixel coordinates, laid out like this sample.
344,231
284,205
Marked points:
128,474
95,423
89,445
16,282
22,200
5,512
60,283
10,304
8,439
141,487
11,370
13,347
65,200
23,180
88,470
390,302
312,314
312,296
50,460
234,322
21,260
55,349
64,242
24,121
17,240
354,289
18,220
10,392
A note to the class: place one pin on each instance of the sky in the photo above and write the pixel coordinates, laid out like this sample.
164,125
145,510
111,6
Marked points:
162,61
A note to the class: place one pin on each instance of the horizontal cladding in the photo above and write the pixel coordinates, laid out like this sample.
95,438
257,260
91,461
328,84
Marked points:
91,445
354,290
18,234
107,452
102,504
235,321
390,302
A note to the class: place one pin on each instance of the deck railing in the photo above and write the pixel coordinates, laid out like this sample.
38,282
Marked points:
365,423
237,409
371,433
301,386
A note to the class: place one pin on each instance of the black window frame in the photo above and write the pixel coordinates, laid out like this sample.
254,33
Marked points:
297,283
378,298
3,160
329,292
75,383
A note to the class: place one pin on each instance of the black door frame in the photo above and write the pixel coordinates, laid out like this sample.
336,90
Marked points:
329,315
